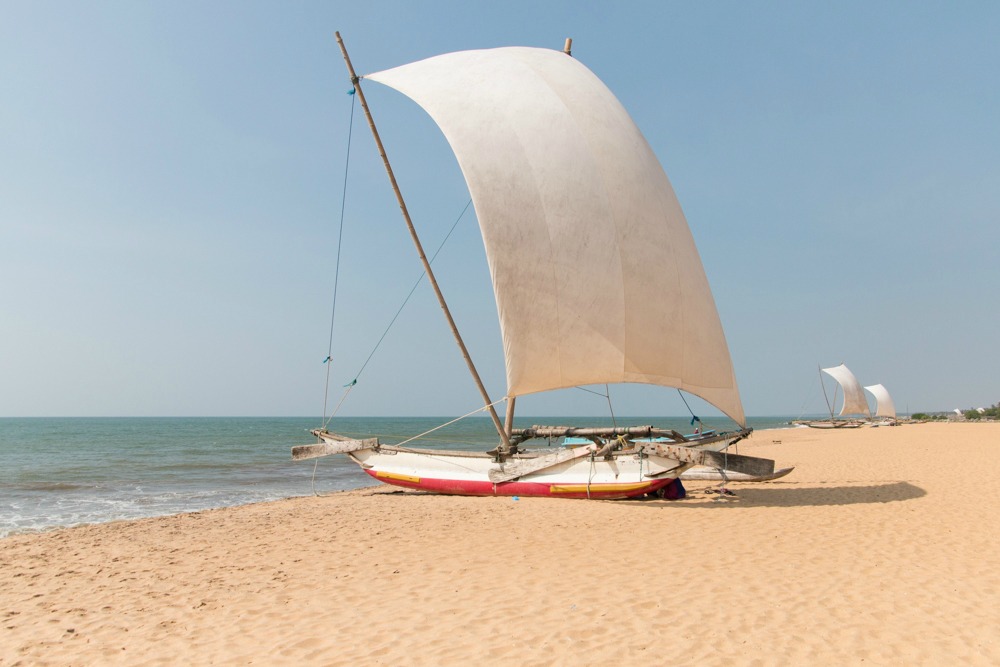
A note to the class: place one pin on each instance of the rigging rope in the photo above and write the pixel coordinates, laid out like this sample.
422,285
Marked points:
807,401
694,417
607,395
350,385
593,471
456,419
336,272
412,290
329,357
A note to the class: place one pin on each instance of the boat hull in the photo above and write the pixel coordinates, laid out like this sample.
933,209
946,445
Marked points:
525,489
830,424
467,473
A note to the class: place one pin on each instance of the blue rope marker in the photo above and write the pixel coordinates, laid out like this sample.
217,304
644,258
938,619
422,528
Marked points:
352,383
327,360
351,91
694,417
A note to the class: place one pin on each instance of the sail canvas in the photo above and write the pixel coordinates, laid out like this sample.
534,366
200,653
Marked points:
854,397
596,275
884,405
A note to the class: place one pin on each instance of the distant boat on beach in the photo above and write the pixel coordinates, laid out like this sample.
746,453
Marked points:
595,273
885,408
854,402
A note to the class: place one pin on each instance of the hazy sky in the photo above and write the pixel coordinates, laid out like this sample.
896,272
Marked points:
171,179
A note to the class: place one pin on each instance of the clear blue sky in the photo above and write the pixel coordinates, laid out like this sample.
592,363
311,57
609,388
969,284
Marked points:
171,178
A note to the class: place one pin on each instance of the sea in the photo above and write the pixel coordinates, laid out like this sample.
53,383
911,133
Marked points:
58,472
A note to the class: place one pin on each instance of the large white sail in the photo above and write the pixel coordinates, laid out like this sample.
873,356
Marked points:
884,405
595,272
854,397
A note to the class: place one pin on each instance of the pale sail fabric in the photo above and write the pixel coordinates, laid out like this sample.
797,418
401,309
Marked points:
885,406
596,274
854,398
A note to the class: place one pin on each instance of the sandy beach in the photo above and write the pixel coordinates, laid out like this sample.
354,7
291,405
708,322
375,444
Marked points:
879,548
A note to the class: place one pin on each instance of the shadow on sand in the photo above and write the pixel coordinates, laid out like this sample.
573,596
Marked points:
774,495
769,495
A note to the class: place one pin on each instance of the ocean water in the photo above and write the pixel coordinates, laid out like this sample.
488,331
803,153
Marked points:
66,471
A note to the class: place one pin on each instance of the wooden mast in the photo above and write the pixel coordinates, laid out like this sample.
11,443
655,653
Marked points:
826,398
504,437
508,419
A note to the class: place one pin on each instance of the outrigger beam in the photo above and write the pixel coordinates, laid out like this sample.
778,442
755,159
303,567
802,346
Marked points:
327,448
597,431
751,465
746,465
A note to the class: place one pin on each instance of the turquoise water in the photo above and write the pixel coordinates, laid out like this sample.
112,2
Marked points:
67,471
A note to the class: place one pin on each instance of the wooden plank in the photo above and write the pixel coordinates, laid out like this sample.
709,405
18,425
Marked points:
750,465
586,432
715,475
301,452
521,467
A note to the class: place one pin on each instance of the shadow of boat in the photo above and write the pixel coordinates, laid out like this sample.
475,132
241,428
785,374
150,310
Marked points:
774,495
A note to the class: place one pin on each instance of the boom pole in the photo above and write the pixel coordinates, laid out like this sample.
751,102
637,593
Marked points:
355,81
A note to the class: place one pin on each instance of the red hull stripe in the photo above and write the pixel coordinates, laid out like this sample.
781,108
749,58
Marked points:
526,489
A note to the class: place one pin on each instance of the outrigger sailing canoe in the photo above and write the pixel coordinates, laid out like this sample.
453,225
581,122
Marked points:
595,272
854,401
884,406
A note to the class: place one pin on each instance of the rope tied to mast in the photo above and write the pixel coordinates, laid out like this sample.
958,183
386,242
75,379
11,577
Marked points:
392,322
418,246
456,419
606,395
328,362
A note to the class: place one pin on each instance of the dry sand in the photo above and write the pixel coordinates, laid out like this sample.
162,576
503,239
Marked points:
880,548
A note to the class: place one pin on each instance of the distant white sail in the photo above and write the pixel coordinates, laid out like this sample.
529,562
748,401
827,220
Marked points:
854,397
595,271
886,408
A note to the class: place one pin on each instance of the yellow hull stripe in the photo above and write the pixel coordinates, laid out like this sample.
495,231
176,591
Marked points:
405,478
595,488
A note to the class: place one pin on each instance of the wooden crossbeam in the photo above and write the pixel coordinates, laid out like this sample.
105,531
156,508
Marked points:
521,467
301,452
750,465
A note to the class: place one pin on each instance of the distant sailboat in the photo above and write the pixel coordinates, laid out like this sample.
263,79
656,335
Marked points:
854,402
885,408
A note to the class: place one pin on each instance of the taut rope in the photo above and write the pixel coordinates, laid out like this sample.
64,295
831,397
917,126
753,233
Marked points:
336,273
